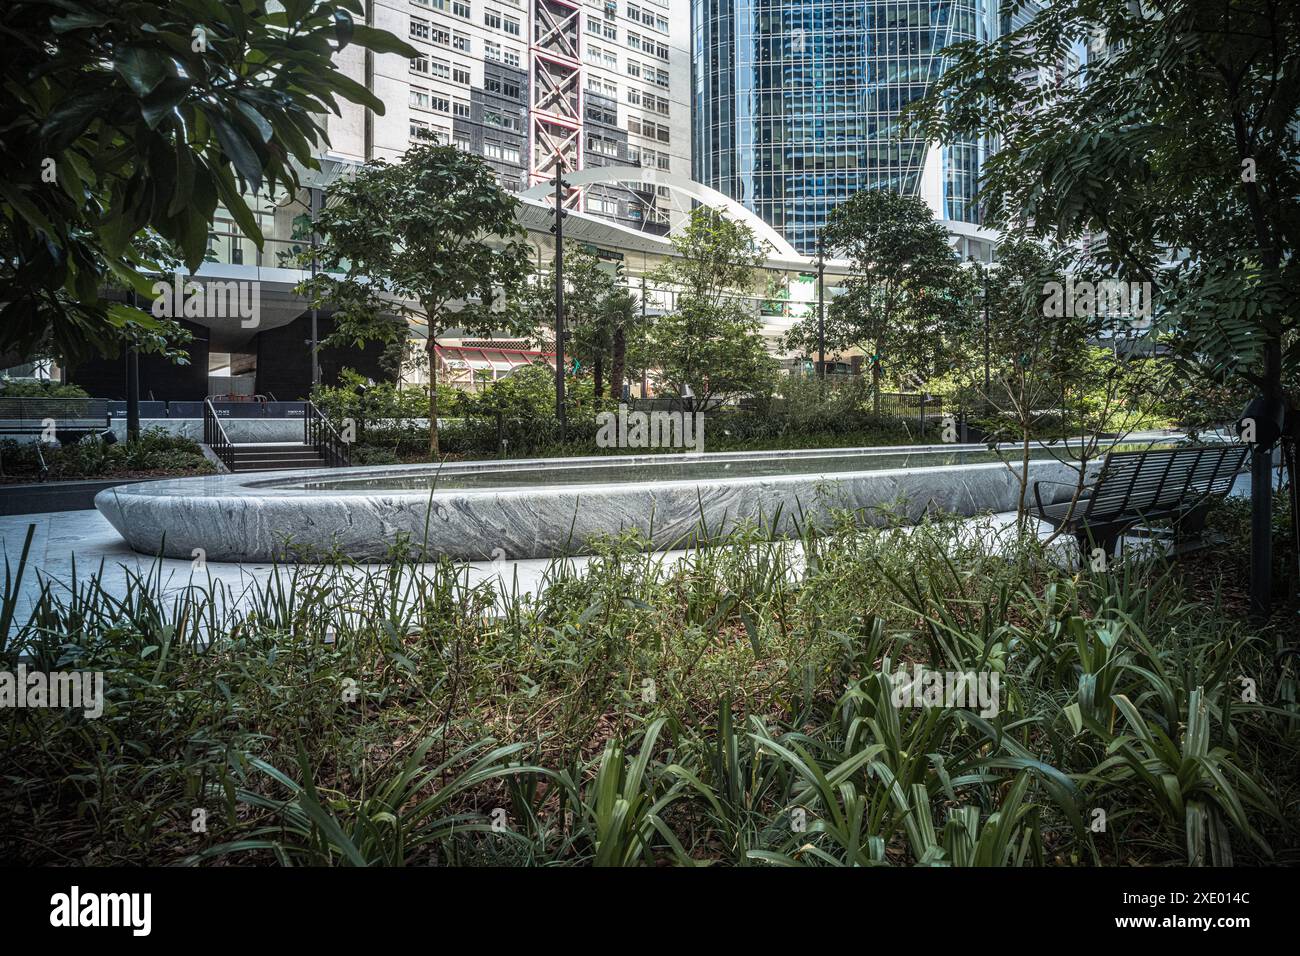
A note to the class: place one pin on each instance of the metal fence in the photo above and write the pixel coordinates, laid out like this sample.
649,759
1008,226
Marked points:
102,410
915,406
57,409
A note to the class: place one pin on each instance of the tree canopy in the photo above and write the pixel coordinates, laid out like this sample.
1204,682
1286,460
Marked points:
707,346
903,272
410,241
126,117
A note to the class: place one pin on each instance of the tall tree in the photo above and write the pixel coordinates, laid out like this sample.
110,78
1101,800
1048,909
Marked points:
119,117
588,282
620,317
1177,153
435,230
708,346
902,267
1032,360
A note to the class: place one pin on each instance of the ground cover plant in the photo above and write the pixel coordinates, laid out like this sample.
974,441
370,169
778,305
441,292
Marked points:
154,454
733,708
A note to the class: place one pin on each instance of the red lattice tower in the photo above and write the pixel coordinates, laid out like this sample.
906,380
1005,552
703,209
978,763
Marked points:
555,113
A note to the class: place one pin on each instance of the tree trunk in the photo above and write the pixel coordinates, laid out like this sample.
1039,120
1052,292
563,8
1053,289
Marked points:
598,374
132,393
431,347
875,380
1023,403
618,367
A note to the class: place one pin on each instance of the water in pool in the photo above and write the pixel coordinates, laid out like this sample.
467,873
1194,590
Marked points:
616,471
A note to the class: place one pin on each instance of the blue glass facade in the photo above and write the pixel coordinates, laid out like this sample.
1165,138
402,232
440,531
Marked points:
796,102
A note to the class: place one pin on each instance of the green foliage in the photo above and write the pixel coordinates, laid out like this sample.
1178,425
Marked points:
1187,118
435,229
155,451
121,118
903,294
16,388
709,342
732,706
528,392
601,317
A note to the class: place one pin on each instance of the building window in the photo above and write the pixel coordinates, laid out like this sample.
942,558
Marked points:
460,8
420,64
505,154
600,114
501,87
492,19
511,57
491,50
494,118
460,41
460,109
511,25
460,75
602,146
419,29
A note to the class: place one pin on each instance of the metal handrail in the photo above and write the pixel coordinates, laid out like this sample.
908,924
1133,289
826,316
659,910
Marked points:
215,437
320,434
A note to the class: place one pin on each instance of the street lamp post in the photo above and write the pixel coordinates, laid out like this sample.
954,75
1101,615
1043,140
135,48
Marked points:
986,336
132,382
984,274
313,195
558,230
821,307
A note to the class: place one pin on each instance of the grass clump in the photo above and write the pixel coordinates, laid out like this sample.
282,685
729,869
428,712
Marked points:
734,707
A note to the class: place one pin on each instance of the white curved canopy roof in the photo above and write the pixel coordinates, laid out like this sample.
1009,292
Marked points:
681,184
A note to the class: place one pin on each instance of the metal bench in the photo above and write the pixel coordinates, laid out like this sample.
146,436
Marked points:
71,419
1132,487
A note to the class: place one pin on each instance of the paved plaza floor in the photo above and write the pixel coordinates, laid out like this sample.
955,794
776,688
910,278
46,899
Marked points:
70,546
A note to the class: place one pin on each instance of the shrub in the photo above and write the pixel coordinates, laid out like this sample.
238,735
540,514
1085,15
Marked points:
92,457
732,705
15,388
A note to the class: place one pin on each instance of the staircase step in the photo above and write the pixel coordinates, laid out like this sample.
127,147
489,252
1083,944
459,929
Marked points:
257,455
262,449
243,466
274,456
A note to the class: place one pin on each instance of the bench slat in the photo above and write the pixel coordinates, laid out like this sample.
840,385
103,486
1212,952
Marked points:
1134,486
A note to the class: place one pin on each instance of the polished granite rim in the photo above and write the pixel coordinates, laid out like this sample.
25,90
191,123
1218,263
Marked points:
264,517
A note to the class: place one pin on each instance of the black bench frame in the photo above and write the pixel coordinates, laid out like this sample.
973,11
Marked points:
1167,484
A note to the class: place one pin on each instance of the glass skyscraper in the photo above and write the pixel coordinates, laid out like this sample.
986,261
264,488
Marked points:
796,103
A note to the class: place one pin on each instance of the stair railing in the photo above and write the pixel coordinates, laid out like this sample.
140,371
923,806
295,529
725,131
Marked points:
215,437
320,434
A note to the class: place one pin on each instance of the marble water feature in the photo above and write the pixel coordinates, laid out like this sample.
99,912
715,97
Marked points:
539,508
